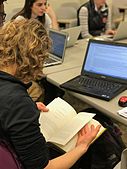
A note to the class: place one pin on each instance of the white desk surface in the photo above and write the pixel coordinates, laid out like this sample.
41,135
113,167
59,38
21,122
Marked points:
109,108
74,57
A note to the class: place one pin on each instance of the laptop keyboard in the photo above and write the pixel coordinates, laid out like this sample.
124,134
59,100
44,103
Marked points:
100,88
99,84
50,60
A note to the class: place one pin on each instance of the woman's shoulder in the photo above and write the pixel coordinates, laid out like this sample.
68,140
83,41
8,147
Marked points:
83,9
47,18
48,21
20,17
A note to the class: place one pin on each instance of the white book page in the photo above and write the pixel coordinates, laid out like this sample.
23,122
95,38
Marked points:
70,145
59,113
71,128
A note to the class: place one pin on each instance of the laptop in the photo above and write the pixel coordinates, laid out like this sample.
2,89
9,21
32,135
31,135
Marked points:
121,33
123,163
104,71
73,34
57,53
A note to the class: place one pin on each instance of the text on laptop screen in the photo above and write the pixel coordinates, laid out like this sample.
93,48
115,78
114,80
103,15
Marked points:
58,43
107,59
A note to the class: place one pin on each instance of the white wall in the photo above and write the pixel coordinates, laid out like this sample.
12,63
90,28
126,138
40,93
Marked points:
11,8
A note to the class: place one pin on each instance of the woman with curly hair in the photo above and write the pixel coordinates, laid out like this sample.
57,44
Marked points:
24,47
42,11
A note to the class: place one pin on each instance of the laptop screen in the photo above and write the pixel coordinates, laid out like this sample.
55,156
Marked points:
58,43
107,59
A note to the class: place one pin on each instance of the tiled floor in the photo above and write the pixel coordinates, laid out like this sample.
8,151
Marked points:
79,105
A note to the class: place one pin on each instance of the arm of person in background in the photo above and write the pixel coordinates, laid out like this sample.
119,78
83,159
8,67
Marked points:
109,30
83,20
52,16
85,137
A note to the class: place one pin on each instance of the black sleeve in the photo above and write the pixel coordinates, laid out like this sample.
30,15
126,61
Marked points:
21,124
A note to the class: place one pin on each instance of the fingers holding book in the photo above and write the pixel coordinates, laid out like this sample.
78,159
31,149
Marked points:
42,107
88,134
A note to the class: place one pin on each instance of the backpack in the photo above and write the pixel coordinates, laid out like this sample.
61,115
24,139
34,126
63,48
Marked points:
106,151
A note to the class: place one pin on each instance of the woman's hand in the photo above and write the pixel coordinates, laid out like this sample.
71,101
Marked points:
87,134
110,32
49,10
42,107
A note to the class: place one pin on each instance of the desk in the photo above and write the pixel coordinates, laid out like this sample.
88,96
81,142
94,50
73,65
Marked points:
72,67
109,108
74,57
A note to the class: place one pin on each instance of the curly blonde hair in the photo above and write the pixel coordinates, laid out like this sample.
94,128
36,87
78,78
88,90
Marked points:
26,44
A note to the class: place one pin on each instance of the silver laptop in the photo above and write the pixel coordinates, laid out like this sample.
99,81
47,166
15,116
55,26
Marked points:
57,53
73,34
123,163
120,34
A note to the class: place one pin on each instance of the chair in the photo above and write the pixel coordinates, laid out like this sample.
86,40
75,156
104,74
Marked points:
67,13
119,11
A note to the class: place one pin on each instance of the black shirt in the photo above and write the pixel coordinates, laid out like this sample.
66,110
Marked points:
19,120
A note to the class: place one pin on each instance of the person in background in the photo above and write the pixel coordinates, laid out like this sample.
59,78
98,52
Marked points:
25,45
41,10
2,13
95,18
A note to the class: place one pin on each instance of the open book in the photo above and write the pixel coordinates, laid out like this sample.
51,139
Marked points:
61,124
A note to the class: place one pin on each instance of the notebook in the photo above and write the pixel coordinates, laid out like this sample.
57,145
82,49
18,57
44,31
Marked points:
123,163
121,33
73,34
124,159
105,64
57,53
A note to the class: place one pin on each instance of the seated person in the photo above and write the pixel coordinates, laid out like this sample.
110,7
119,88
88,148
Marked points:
94,18
41,10
25,44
